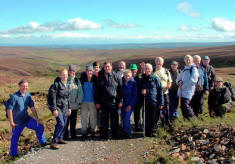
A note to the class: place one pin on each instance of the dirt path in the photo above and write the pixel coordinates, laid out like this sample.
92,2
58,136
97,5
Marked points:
91,151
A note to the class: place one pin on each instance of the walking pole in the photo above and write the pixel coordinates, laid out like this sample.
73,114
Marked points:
144,117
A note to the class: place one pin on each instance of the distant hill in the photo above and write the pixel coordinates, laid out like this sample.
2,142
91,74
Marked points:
134,45
18,62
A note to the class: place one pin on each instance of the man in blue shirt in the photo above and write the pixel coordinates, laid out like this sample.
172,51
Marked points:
19,117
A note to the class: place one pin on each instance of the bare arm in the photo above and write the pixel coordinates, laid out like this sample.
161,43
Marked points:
169,84
33,109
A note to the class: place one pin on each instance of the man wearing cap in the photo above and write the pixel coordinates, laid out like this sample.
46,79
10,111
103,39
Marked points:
209,70
75,98
109,98
89,82
219,100
173,97
137,77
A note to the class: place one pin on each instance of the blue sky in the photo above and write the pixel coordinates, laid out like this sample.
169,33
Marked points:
115,21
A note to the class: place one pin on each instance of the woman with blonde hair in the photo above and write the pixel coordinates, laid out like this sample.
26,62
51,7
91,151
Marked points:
60,107
187,81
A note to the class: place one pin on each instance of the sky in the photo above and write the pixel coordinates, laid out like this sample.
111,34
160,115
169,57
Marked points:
45,22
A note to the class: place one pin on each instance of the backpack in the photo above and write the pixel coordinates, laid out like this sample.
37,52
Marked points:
6,104
231,89
49,95
198,84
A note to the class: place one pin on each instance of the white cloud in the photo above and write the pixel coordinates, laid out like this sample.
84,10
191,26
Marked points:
4,36
83,37
188,28
187,9
222,24
75,24
113,24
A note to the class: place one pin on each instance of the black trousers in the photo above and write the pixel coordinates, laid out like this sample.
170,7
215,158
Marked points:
197,102
186,109
166,120
151,115
72,120
137,109
109,113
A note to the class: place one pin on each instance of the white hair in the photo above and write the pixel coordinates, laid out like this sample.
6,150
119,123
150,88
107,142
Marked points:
159,58
197,57
148,65
127,71
122,61
188,56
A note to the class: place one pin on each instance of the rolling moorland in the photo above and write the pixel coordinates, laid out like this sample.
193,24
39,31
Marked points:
41,65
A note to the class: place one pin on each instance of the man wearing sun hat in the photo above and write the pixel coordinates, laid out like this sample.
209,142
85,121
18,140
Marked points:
137,77
209,70
173,97
219,100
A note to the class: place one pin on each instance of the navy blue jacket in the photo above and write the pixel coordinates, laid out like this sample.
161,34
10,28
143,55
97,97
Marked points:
154,95
129,91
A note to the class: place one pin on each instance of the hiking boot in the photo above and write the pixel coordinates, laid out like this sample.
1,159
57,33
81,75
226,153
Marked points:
14,157
84,136
74,138
54,146
92,134
137,129
45,144
66,138
62,142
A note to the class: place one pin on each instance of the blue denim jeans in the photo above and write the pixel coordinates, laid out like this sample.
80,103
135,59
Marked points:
16,132
60,127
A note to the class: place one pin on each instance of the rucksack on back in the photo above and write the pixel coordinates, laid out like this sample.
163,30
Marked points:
50,95
198,84
231,89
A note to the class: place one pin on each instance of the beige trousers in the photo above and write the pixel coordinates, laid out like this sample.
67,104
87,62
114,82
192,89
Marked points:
88,109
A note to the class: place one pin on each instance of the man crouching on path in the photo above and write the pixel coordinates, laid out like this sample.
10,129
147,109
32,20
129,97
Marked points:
19,118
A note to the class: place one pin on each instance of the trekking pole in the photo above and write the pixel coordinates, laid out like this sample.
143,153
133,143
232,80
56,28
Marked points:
144,117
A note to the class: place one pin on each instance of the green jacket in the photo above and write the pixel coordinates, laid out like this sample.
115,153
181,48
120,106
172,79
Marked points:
75,92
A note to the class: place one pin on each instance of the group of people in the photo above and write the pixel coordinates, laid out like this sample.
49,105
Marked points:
104,95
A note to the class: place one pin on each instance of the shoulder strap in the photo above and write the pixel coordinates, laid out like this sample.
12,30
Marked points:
76,81
166,72
56,85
